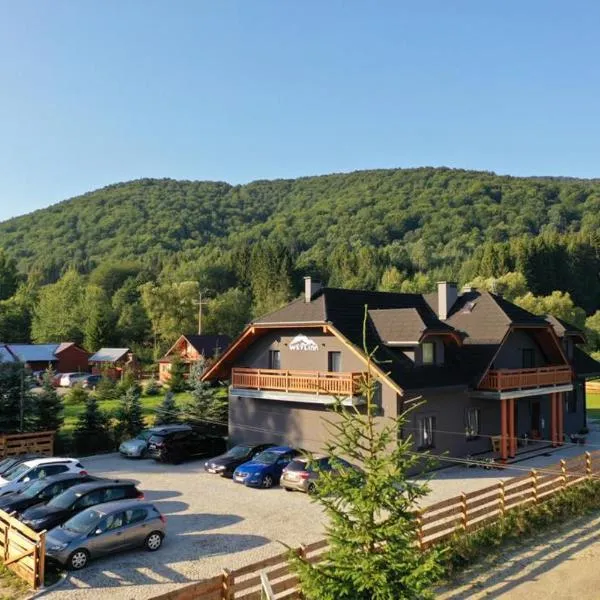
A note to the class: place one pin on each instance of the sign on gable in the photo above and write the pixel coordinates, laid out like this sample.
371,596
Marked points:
303,344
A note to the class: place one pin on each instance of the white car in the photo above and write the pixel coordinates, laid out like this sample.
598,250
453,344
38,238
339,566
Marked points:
37,468
70,379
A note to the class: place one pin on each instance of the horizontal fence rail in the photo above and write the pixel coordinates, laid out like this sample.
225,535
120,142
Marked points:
12,444
312,382
511,379
435,523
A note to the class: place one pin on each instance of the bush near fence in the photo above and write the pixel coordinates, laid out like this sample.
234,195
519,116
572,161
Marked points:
438,523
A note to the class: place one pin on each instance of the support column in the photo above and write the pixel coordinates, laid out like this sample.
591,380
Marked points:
560,406
503,431
512,443
553,419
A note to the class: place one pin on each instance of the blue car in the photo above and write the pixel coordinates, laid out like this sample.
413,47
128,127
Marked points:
264,470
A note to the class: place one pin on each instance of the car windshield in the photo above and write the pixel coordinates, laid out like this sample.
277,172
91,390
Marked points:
16,472
238,451
84,522
268,458
64,500
143,435
8,463
33,488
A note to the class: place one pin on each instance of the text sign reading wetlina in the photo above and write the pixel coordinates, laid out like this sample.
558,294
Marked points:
302,343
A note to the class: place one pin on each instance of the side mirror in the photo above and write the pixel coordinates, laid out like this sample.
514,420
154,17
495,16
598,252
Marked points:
25,479
98,532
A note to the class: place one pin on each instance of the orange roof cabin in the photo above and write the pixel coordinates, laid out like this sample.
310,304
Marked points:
112,362
191,348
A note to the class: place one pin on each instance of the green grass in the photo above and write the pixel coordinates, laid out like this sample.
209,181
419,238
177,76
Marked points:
11,586
149,404
593,405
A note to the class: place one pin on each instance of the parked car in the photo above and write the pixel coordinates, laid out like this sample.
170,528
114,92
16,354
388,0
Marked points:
77,498
70,379
138,446
265,469
301,476
90,382
106,529
38,377
6,464
181,442
225,464
37,468
40,491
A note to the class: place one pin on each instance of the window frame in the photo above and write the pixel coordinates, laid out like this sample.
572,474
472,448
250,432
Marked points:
433,353
530,352
424,434
275,354
469,434
331,354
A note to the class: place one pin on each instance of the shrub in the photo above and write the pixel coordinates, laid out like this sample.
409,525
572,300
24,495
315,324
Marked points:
76,395
152,388
106,389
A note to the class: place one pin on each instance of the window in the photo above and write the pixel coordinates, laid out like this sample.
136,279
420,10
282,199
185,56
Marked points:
135,515
428,351
117,493
334,362
426,432
528,358
274,359
570,402
472,423
90,499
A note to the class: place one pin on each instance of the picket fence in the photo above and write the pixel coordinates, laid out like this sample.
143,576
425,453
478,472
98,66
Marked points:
435,523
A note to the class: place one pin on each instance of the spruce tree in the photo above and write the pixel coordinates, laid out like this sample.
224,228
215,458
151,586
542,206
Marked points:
372,529
76,395
208,404
168,411
106,389
177,382
130,420
92,429
16,399
48,406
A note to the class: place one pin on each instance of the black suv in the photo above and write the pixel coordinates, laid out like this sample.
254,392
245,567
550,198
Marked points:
177,443
78,498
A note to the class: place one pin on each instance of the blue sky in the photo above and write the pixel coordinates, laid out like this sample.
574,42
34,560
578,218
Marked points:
92,93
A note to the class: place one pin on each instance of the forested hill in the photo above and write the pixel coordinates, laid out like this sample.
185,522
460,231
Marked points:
433,217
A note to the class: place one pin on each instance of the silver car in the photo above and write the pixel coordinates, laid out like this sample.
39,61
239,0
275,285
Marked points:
137,447
106,529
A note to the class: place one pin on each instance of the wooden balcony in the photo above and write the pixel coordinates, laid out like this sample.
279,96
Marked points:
500,380
304,382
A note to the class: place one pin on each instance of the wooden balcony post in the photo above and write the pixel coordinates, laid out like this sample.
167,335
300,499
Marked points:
553,424
503,431
318,383
511,428
560,407
258,379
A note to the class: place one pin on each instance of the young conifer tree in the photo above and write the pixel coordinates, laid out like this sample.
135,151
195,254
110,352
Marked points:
372,530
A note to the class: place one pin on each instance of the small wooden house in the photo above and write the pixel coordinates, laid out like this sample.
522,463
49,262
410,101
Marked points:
191,348
113,362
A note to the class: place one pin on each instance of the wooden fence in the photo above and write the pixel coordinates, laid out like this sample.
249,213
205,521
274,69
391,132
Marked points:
435,523
41,442
23,550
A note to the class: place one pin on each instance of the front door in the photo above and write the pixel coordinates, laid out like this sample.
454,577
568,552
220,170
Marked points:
536,419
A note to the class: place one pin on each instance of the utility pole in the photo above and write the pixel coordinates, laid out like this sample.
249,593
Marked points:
200,303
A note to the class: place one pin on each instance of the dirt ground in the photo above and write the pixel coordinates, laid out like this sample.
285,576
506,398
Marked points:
561,563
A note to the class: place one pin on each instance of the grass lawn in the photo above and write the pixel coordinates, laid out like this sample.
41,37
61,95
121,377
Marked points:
11,586
593,405
149,404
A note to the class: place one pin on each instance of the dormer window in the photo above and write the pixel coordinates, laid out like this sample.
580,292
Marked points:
428,353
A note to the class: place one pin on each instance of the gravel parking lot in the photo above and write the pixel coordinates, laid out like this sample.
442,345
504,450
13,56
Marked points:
212,523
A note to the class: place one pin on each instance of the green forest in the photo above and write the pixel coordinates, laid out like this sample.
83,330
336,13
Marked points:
124,265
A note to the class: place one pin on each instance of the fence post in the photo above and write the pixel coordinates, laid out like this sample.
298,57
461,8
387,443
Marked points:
563,472
534,482
463,507
41,559
302,551
588,464
502,498
228,585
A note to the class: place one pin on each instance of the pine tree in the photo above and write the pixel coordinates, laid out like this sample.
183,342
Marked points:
16,400
207,404
130,420
48,406
92,429
372,529
76,395
168,411
106,389
177,382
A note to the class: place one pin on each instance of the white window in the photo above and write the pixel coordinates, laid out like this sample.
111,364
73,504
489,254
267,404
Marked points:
274,359
472,423
428,351
426,432
334,362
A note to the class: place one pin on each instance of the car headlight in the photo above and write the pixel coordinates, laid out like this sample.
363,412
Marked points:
219,468
57,547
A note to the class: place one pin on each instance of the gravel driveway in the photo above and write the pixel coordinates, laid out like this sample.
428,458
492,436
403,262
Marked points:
212,523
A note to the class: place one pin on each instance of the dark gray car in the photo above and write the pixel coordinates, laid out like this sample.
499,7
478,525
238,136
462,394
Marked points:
106,529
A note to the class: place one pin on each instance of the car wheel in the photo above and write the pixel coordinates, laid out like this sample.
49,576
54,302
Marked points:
153,541
287,489
78,559
312,488
267,482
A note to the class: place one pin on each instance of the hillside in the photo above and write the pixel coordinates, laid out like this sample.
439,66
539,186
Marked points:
437,216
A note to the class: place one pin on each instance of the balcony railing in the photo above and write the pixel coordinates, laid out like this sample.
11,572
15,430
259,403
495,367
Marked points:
514,379
306,382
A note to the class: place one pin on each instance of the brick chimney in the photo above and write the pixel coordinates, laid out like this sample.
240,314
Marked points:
310,288
447,296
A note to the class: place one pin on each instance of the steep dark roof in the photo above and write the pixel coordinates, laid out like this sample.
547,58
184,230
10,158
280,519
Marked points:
208,345
584,365
398,324
563,328
298,311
